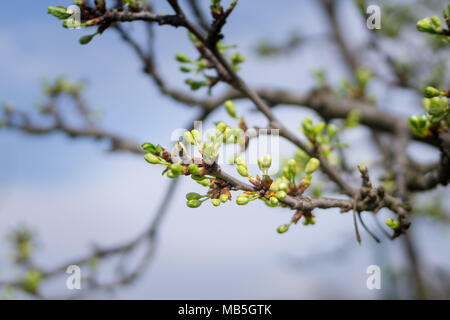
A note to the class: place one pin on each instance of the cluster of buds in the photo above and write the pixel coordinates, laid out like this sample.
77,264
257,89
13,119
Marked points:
436,106
184,166
308,219
190,65
293,168
203,63
72,19
393,224
241,168
218,193
433,25
320,135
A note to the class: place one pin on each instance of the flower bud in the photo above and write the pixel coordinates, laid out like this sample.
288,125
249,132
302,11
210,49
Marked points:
189,137
215,202
431,92
242,199
204,182
425,25
283,186
231,109
332,130
224,197
312,165
237,132
221,127
265,162
72,24
242,171
194,169
240,161
176,168
59,12
273,201
292,165
194,203
193,196
436,23
283,228
426,102
197,136
281,194
393,224
32,281
185,69
181,57
171,174
227,134
151,158
86,39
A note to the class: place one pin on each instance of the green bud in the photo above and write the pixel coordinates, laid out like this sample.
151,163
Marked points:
237,132
292,165
273,201
71,24
237,58
221,127
151,158
393,224
436,23
240,161
194,203
189,137
440,101
231,109
242,170
176,168
32,281
425,25
193,196
426,104
227,134
171,174
180,57
265,162
194,169
59,12
283,186
86,39
283,228
431,92
332,130
185,69
242,199
281,194
319,127
204,182
197,136
312,165
224,197
215,202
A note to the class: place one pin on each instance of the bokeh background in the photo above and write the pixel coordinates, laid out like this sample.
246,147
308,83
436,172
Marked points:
74,194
